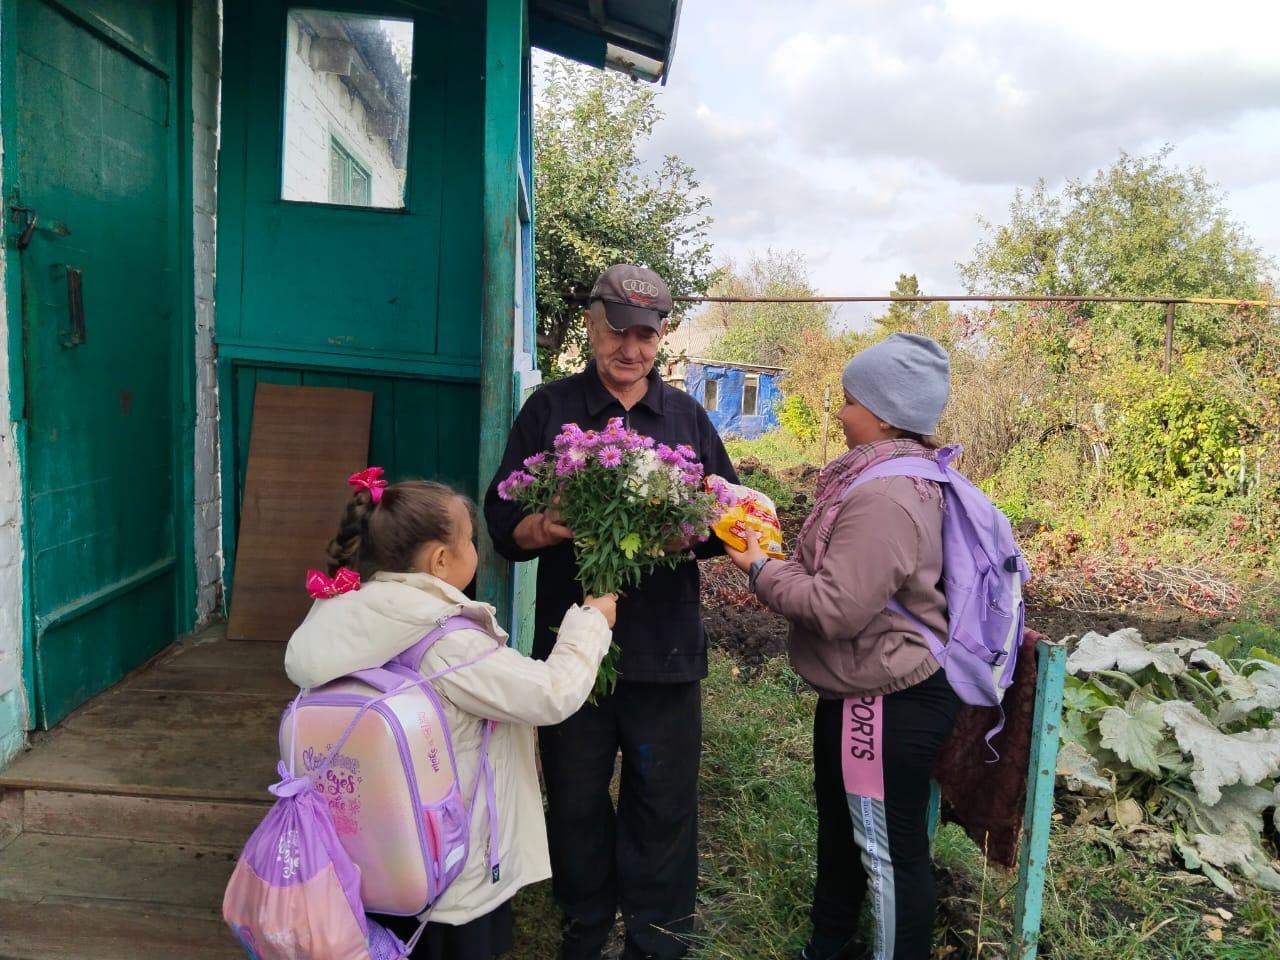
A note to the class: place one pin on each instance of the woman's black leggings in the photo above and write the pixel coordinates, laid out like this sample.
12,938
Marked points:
872,759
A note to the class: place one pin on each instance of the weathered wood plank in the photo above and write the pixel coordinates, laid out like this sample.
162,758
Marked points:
54,931
182,879
230,667
153,743
139,818
11,806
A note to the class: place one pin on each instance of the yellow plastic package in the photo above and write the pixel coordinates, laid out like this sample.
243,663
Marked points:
751,510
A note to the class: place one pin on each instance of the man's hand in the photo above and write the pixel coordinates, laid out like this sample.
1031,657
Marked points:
742,559
679,545
539,530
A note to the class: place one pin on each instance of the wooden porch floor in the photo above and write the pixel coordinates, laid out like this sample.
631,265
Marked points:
119,829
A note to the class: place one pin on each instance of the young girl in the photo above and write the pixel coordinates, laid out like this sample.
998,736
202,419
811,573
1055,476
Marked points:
411,544
884,705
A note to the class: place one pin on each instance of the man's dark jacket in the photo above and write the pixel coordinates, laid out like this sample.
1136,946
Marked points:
659,628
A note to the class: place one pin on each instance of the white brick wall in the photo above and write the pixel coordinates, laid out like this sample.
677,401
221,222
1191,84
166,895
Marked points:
320,105
13,709
206,68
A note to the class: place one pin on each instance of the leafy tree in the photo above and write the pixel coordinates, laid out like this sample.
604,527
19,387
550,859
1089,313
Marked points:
597,204
925,318
765,333
1141,227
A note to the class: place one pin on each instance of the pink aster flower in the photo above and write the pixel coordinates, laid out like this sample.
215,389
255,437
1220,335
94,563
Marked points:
511,486
686,451
609,456
571,461
535,461
569,435
668,456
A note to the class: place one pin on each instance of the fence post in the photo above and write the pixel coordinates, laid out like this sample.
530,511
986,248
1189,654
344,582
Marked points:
826,419
1033,852
1168,336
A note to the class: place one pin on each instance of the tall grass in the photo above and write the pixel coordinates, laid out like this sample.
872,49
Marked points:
757,847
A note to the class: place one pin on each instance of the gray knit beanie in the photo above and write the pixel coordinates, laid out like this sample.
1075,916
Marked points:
904,380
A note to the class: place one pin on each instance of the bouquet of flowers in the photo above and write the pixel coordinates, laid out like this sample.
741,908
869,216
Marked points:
633,505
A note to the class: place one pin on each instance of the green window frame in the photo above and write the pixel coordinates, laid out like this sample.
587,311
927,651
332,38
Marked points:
350,182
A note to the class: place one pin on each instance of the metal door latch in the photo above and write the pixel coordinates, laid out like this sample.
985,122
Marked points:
29,218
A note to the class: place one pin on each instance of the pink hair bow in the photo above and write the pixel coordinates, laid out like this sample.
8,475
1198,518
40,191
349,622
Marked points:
323,587
369,479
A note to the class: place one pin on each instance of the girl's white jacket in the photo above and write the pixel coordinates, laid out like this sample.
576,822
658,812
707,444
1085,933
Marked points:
367,627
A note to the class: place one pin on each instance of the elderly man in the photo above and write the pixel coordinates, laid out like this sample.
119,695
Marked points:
643,858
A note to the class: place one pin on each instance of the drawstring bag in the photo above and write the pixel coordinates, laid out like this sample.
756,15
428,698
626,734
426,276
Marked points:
295,892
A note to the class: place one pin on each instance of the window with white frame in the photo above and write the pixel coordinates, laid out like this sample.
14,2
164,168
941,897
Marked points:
750,394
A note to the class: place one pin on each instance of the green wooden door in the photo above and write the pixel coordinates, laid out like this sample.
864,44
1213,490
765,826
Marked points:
96,162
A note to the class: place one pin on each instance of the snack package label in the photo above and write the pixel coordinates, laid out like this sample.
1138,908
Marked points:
751,510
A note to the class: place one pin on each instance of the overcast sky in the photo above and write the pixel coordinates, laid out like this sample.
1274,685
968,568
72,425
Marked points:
872,134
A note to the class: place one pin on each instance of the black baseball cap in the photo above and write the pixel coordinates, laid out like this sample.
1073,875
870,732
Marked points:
632,296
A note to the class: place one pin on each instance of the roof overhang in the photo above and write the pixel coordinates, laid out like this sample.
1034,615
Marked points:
635,37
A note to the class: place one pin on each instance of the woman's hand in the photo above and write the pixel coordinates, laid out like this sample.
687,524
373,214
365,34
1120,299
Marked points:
607,605
742,559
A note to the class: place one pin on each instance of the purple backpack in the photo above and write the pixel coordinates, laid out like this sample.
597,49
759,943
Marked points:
982,575
374,819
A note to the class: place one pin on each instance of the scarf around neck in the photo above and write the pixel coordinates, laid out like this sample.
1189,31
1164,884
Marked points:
835,478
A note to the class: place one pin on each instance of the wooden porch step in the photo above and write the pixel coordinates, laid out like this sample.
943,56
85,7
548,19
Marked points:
64,931
199,724
181,879
119,829
145,819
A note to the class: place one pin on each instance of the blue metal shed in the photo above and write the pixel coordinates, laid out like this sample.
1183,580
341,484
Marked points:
740,398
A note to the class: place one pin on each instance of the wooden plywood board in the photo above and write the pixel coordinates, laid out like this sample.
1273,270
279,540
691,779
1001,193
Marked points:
305,442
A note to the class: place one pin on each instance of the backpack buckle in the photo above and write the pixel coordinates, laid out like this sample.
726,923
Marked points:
999,659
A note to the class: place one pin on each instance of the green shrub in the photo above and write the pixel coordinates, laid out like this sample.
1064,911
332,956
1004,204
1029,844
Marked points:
771,485
798,419
1182,434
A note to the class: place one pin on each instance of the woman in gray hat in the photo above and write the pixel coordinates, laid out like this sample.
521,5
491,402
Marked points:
884,705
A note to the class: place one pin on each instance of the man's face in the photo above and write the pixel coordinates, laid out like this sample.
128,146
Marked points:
623,357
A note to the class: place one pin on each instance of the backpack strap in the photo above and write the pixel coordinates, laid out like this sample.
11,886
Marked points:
413,656
903,467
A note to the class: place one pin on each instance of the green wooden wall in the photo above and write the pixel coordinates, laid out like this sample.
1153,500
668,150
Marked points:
388,301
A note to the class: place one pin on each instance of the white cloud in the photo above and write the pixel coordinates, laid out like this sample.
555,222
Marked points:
872,134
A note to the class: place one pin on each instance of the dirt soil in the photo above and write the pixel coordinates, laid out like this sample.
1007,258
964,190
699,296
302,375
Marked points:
739,624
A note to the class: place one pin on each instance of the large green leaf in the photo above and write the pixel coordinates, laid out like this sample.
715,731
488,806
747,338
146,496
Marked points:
1221,759
1135,733
1078,768
1261,690
1124,650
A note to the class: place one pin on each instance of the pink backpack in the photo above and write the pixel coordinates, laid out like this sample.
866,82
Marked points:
376,822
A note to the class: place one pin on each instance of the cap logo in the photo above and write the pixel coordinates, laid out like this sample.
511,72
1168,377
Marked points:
642,289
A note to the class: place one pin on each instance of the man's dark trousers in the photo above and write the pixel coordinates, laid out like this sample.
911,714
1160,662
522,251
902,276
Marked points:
644,858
